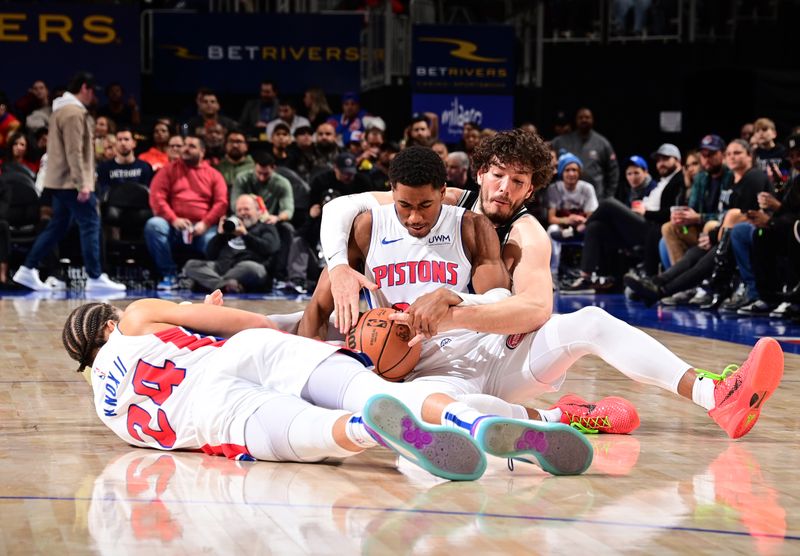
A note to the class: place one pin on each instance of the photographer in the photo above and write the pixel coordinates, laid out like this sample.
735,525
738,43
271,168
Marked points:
239,252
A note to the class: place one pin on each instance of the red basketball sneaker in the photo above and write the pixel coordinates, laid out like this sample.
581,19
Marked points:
740,392
612,415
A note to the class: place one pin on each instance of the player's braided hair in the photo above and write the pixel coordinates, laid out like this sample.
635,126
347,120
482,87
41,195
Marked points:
416,166
83,331
516,147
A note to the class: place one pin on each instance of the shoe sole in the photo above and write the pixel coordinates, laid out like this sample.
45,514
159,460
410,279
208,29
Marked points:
765,365
444,452
559,449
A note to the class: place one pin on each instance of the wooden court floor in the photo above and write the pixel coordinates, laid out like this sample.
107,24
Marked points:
677,485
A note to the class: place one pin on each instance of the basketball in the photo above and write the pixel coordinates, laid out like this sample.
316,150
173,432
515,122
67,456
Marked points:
386,343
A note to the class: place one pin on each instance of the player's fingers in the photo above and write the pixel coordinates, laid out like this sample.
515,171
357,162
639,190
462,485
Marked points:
405,318
353,314
416,339
336,320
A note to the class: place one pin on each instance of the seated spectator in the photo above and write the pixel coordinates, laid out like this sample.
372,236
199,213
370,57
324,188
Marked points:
287,114
379,173
327,148
35,107
370,144
103,127
174,148
124,167
440,148
187,197
700,213
343,179
613,226
303,154
236,162
237,255
8,123
713,267
258,112
770,156
458,172
317,109
350,119
209,111
419,133
215,142
156,156
280,140
746,131
471,138
15,157
36,97
570,201
774,225
124,113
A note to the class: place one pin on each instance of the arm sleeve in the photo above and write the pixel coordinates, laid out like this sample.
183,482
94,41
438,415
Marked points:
337,220
491,296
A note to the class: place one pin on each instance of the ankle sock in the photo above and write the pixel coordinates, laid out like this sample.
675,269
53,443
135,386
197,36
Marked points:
703,392
357,433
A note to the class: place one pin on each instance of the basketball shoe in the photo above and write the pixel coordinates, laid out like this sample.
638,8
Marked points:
740,392
445,452
611,415
559,449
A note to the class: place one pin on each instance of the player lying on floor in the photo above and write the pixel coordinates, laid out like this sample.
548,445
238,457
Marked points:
514,363
263,394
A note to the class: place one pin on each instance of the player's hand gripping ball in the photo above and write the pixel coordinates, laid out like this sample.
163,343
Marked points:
386,343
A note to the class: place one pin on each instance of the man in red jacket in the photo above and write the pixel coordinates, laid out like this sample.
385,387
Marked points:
188,197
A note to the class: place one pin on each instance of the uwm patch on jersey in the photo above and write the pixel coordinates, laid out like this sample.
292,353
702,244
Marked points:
416,272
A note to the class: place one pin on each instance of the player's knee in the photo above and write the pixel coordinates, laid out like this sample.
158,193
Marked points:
593,322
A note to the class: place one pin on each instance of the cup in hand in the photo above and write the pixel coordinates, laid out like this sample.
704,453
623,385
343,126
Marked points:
678,208
187,235
636,204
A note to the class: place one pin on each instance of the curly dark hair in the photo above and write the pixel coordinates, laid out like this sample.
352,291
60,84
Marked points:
83,331
523,149
417,166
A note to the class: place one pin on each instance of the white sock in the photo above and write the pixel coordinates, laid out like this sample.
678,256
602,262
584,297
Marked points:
703,392
357,433
461,416
551,415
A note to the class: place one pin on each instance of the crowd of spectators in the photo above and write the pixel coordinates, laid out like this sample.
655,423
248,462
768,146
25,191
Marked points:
236,202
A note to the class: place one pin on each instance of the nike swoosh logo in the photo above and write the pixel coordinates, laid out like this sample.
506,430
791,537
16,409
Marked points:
388,241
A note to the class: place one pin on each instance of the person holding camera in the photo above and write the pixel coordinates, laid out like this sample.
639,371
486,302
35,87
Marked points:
238,254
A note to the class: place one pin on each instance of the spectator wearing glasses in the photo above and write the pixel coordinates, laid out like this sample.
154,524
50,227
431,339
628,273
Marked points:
236,161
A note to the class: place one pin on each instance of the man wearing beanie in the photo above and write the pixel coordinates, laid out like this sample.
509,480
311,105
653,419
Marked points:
613,226
570,201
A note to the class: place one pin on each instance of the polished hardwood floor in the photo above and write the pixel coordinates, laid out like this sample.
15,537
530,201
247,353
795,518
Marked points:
677,485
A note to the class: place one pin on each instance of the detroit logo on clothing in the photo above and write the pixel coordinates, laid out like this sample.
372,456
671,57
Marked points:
414,272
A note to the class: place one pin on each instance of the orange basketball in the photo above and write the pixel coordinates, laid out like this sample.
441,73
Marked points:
386,343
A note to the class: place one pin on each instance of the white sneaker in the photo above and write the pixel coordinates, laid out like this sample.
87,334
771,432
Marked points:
29,277
103,282
55,284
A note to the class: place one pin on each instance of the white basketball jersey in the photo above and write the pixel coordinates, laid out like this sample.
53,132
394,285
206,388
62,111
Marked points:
406,267
175,389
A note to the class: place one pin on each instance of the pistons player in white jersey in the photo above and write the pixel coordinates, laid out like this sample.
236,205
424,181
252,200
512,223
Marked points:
225,381
511,167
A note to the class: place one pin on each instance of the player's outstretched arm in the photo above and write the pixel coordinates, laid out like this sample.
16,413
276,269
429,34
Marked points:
527,256
430,312
345,282
146,316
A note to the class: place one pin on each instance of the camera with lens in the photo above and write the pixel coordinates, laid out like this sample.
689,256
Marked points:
230,224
